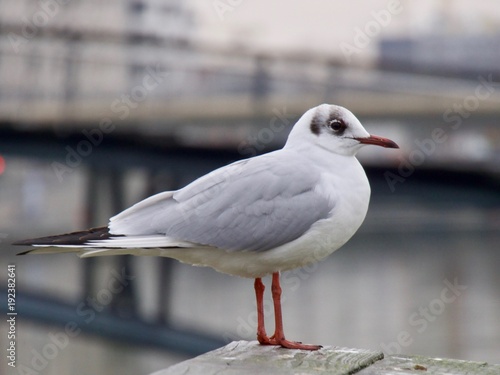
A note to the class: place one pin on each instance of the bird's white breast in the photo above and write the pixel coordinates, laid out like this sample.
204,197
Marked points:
349,190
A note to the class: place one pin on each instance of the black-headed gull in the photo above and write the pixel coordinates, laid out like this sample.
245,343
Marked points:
254,217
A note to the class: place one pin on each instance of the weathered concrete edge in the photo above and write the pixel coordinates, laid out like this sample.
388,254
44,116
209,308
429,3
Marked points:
249,357
414,364
244,357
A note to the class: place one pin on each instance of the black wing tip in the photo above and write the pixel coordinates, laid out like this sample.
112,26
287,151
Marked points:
73,238
18,243
28,242
24,252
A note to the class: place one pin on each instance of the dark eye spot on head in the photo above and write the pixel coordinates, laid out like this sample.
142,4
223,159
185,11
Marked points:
316,125
337,126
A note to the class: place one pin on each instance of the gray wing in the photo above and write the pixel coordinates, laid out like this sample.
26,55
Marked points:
255,204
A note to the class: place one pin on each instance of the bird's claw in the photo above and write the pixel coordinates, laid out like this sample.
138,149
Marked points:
284,343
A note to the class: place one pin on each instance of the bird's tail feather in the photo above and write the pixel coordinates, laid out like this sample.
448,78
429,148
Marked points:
99,242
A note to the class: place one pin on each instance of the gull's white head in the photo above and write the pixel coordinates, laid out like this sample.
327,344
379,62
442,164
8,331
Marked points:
335,129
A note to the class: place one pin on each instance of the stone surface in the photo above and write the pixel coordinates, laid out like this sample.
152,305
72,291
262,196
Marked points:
399,365
243,357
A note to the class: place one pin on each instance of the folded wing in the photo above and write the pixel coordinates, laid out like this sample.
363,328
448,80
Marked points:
247,205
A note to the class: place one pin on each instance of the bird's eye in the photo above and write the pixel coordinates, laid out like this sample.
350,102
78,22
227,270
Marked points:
338,126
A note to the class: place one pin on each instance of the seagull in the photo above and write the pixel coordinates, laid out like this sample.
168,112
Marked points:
252,218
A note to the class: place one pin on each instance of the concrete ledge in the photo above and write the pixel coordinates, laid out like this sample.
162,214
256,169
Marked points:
406,365
243,357
250,358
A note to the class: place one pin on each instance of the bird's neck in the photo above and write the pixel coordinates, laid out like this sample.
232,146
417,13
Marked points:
318,154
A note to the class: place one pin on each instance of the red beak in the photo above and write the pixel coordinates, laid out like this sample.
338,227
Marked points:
378,141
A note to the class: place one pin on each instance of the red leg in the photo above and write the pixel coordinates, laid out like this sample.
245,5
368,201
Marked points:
261,329
279,335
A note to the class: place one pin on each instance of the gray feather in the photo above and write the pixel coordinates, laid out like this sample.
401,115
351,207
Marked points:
248,205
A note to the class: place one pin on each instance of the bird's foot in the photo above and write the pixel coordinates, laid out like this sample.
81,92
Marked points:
297,345
284,343
263,339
